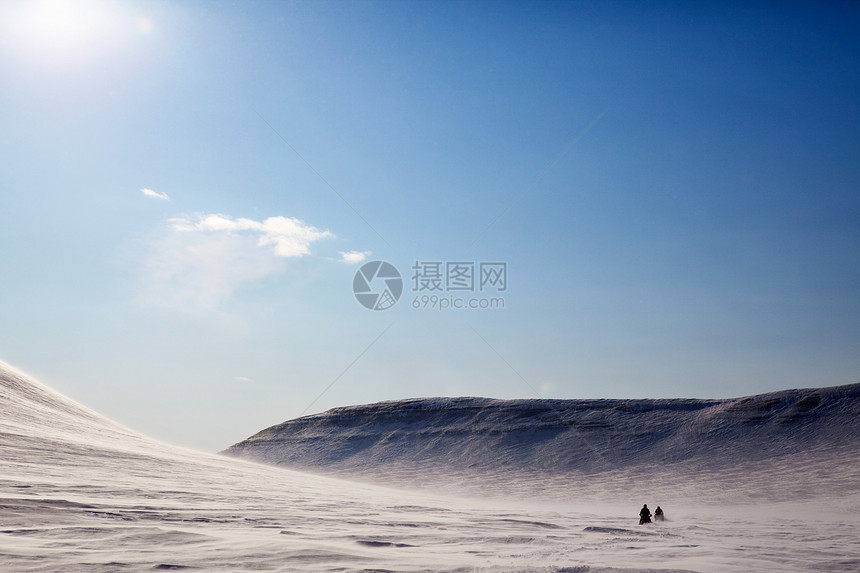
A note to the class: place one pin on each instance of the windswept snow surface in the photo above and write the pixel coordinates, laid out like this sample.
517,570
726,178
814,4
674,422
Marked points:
81,493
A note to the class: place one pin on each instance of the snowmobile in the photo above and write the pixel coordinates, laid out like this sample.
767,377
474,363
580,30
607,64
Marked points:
644,515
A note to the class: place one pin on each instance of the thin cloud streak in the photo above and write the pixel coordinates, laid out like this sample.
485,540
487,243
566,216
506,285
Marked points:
352,257
155,194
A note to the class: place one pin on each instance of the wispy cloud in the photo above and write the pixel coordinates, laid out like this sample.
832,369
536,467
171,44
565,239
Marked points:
244,379
198,261
155,194
353,256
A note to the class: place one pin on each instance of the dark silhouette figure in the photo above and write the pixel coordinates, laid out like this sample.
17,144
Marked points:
658,514
644,515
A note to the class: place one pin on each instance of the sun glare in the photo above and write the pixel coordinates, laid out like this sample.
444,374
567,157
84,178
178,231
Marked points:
70,31
57,22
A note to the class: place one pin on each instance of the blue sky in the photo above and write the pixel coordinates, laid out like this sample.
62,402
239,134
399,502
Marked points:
675,191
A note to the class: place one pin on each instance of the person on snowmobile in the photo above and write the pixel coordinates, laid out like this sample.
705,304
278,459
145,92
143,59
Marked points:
658,514
644,515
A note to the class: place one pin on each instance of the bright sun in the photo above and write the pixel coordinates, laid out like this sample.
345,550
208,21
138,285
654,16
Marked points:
69,30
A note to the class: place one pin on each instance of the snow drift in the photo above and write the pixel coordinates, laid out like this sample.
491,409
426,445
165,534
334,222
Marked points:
79,492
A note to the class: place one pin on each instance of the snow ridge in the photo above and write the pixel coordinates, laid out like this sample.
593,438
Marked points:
561,436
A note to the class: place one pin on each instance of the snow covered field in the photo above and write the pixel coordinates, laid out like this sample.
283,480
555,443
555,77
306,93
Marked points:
81,493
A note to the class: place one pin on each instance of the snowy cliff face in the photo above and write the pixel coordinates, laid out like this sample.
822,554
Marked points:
564,436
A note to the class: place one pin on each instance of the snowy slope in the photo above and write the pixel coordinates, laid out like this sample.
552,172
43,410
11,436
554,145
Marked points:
796,430
81,493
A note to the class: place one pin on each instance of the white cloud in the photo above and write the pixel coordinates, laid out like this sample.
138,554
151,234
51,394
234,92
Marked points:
353,256
244,379
290,236
197,262
154,194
